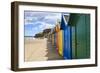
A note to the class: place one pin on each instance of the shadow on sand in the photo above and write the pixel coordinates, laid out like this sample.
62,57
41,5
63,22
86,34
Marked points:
52,52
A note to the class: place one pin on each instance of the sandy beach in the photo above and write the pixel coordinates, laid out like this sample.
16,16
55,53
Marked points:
37,50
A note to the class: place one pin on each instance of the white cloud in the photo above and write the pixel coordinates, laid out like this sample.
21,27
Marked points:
56,16
45,26
40,21
30,20
48,17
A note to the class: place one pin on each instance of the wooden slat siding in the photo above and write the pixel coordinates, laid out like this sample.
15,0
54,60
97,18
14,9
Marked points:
81,32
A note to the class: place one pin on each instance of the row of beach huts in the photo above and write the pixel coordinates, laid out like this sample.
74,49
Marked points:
71,36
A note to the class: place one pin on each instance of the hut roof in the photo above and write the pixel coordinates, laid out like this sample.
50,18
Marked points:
64,21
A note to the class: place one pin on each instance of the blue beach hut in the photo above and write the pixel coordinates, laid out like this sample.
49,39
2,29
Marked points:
67,50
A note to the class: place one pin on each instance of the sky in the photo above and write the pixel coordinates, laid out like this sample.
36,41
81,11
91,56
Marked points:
35,22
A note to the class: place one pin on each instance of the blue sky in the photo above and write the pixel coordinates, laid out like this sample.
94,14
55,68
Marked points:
35,22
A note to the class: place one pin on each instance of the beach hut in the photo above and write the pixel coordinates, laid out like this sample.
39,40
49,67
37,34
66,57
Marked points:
57,38
52,37
67,49
80,24
54,32
60,39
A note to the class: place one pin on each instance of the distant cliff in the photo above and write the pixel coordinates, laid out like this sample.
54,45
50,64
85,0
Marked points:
42,34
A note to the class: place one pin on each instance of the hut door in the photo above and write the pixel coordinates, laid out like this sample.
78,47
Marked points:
80,35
